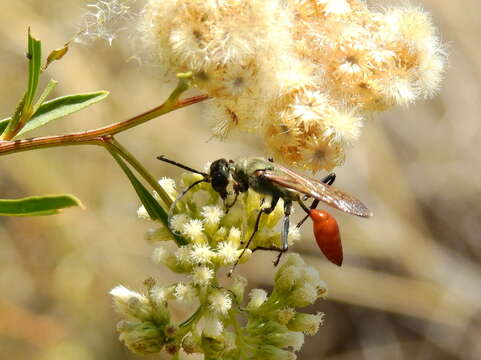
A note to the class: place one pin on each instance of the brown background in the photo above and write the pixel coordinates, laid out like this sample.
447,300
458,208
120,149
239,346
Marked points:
410,287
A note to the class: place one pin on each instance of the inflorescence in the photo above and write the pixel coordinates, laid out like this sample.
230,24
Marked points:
224,326
305,73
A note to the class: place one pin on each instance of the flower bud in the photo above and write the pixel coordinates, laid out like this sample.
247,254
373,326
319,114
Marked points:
285,315
269,352
257,298
238,287
131,303
142,338
307,323
159,234
303,295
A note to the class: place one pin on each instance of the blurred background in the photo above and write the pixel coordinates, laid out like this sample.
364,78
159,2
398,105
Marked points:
411,284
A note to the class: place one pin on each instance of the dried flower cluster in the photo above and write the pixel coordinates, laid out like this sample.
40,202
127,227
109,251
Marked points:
305,73
272,326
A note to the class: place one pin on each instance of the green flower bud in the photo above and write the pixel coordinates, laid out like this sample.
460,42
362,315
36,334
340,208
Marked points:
220,235
269,352
213,347
307,323
238,287
303,295
287,339
284,316
191,344
142,338
131,303
158,235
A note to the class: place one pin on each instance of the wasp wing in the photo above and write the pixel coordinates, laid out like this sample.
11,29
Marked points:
318,190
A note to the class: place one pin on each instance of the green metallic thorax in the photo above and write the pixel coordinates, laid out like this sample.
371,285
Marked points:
243,171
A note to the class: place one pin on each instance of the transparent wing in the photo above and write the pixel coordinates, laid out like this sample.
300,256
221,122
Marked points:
318,190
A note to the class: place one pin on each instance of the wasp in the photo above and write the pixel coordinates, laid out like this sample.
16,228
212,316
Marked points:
271,179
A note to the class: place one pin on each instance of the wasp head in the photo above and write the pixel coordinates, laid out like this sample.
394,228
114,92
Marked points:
219,176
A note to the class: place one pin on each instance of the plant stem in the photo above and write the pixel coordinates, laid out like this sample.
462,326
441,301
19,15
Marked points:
86,137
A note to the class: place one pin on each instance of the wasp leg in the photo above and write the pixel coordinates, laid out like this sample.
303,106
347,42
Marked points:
284,235
329,180
266,211
285,231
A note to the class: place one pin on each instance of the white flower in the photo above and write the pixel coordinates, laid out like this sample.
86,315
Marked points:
202,275
194,229
168,185
212,214
184,293
227,253
183,255
220,302
177,222
257,298
201,254
162,255
142,213
160,294
234,235
212,326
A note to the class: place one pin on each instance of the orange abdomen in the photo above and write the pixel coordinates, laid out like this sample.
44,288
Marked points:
327,235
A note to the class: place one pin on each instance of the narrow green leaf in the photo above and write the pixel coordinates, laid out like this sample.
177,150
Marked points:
46,92
37,205
24,109
154,209
4,124
34,67
60,107
56,108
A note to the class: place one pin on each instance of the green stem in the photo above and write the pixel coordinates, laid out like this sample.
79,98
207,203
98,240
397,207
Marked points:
122,151
78,138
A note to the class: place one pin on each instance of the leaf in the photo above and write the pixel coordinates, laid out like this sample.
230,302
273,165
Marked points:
34,65
4,124
56,55
46,92
24,109
154,209
57,108
37,205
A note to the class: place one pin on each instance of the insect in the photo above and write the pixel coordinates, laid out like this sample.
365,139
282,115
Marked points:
267,178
